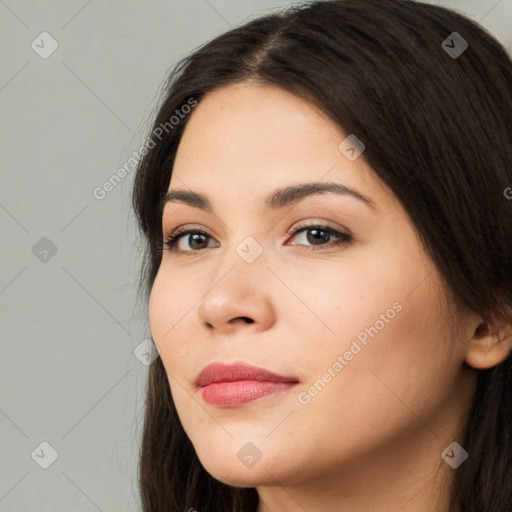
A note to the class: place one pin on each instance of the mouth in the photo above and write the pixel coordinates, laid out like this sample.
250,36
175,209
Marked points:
233,385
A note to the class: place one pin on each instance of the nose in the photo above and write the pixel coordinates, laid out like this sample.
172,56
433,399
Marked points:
240,299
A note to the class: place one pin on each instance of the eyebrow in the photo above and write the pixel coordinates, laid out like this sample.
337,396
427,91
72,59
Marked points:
276,200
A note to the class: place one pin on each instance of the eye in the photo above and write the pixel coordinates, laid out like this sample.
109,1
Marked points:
318,238
195,236
319,235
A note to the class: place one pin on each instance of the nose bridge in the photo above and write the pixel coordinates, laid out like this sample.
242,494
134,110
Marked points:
245,236
249,249
244,261
237,289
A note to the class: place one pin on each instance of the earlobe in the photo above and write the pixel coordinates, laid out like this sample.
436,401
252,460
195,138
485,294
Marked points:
490,345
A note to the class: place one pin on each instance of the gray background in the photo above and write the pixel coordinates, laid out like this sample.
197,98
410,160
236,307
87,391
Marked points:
73,365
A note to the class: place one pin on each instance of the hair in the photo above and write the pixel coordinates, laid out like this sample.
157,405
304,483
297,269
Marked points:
437,131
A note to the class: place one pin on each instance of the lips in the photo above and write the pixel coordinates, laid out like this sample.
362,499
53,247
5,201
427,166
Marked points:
219,372
233,385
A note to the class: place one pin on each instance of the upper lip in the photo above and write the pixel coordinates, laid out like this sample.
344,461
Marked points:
221,372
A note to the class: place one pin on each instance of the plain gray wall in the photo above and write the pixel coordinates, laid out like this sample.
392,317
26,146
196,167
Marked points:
72,334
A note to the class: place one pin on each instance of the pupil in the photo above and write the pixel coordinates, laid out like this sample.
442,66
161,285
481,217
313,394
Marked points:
193,239
324,238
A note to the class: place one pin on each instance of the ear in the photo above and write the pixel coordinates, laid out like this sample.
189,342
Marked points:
490,343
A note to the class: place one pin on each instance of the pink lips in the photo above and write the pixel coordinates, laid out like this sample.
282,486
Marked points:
233,385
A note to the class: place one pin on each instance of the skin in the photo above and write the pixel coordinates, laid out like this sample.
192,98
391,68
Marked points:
372,438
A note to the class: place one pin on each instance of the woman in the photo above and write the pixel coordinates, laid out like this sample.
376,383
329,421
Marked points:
329,267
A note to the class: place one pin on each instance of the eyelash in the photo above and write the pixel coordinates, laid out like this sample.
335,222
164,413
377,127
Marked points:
172,240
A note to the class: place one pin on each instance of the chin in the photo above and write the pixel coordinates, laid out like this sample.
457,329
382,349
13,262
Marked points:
241,477
231,471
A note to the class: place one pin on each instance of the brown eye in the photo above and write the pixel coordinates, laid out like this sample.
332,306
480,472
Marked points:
196,240
318,236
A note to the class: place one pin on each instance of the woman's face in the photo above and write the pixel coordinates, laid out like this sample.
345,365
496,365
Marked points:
356,324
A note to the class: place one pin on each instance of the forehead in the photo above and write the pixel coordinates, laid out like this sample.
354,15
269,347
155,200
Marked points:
253,114
250,138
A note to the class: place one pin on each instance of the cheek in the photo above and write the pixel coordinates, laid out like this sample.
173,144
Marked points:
404,360
168,307
400,374
344,300
382,313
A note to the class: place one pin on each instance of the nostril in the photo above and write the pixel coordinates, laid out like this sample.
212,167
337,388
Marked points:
247,319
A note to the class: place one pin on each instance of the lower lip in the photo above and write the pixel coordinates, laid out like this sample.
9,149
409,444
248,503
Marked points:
235,394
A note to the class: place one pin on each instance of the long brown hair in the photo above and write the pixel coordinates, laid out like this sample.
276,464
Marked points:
437,129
